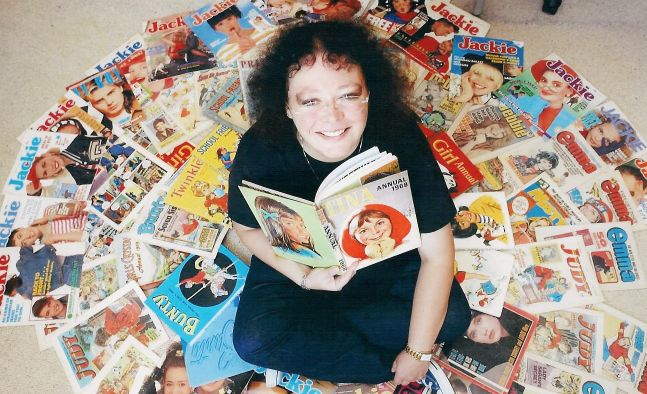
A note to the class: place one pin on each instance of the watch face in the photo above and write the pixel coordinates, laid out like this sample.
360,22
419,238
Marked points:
425,357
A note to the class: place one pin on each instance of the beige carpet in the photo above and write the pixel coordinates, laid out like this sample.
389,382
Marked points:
48,44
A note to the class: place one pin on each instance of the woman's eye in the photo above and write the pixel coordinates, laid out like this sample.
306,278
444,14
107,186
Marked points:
349,96
309,102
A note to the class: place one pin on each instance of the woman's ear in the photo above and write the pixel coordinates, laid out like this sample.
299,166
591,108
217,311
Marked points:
288,112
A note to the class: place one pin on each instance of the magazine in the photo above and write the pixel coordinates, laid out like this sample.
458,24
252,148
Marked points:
173,49
251,27
480,65
634,177
40,284
108,97
211,355
490,361
170,227
120,372
197,290
130,176
495,178
99,280
225,103
123,52
610,133
289,383
540,203
550,95
245,68
552,275
482,222
86,345
432,104
484,131
484,276
613,250
571,337
145,264
459,172
624,359
567,159
347,220
74,158
99,236
604,199
162,129
544,376
42,221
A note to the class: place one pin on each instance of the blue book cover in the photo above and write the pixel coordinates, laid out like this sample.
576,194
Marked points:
211,356
197,291
230,28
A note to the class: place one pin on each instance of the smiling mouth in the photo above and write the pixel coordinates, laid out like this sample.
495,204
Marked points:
332,133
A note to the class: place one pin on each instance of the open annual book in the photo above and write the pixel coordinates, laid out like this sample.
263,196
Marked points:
362,211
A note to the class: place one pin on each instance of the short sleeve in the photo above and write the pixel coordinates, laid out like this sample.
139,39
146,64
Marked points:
239,211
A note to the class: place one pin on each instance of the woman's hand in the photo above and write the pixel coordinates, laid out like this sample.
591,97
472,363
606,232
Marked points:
331,278
467,93
407,369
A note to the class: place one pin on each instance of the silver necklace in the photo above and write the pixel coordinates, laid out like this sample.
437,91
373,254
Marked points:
305,156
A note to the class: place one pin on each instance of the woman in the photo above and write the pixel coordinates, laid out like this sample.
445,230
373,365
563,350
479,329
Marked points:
312,91
478,84
171,377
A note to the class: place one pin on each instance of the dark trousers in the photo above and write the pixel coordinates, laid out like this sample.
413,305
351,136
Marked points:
349,336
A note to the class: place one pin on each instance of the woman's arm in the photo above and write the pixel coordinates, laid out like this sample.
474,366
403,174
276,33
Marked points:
429,302
333,278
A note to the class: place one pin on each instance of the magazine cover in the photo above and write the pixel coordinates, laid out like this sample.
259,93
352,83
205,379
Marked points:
540,203
42,221
162,129
480,65
99,236
211,356
86,345
127,184
218,147
170,227
374,221
108,97
634,177
542,375
41,284
496,178
610,133
309,244
230,29
99,280
201,189
225,104
123,52
428,37
613,250
567,159
120,372
624,360
197,290
605,199
484,276
432,104
287,383
459,172
570,337
173,49
56,165
550,95
552,275
483,131
145,264
482,222
492,349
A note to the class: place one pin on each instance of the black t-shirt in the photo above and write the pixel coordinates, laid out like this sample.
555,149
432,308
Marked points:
284,168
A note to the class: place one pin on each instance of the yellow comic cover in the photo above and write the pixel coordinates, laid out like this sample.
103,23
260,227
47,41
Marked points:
201,189
219,147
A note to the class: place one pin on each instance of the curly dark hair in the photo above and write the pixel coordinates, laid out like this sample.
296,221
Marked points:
342,44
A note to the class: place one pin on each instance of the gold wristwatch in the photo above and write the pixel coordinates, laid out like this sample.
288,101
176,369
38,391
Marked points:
420,356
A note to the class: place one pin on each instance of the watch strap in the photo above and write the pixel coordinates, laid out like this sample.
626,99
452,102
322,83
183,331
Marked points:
420,356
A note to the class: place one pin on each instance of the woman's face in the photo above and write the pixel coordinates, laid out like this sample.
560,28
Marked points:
109,100
53,308
295,229
26,236
485,329
49,166
544,165
484,80
637,187
373,230
591,214
329,108
552,87
160,126
229,26
176,381
494,131
402,6
137,72
602,135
